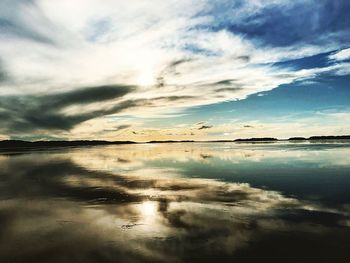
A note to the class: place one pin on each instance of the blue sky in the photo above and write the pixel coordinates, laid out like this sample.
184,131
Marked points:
145,70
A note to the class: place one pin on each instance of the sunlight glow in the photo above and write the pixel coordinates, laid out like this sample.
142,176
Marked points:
146,78
148,208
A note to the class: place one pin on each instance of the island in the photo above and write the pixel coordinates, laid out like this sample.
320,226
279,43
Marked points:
171,141
265,139
342,137
297,139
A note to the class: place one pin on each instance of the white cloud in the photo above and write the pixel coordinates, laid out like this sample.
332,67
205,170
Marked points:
341,55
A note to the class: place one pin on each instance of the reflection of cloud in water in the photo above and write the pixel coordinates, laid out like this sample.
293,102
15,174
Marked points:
70,208
136,156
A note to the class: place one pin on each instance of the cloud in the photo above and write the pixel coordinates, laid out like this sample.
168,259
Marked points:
205,127
341,55
118,128
28,113
2,76
63,112
179,54
13,25
122,127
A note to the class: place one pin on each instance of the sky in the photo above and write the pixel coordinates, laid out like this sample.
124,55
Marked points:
174,69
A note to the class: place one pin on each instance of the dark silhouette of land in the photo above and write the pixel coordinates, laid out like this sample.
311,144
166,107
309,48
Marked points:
317,138
343,137
18,144
312,138
297,139
265,139
170,141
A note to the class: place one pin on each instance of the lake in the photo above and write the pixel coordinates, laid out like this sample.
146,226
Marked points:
179,202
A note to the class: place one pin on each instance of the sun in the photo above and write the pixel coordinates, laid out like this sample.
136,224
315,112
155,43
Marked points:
148,208
146,77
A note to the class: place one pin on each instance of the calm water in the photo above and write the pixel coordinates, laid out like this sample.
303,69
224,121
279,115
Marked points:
222,202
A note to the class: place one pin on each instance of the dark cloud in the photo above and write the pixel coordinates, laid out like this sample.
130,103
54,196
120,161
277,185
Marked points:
245,58
25,114
170,70
228,89
119,128
86,95
175,98
179,62
3,74
226,85
224,82
122,127
205,127
28,113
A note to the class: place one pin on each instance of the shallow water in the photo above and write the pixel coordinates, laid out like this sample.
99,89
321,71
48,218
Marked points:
192,202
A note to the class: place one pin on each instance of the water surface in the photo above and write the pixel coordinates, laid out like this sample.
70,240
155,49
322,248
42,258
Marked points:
191,202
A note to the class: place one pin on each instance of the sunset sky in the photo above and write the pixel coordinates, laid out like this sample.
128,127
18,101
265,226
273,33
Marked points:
174,69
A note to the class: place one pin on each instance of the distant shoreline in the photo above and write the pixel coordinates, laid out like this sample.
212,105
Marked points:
18,144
